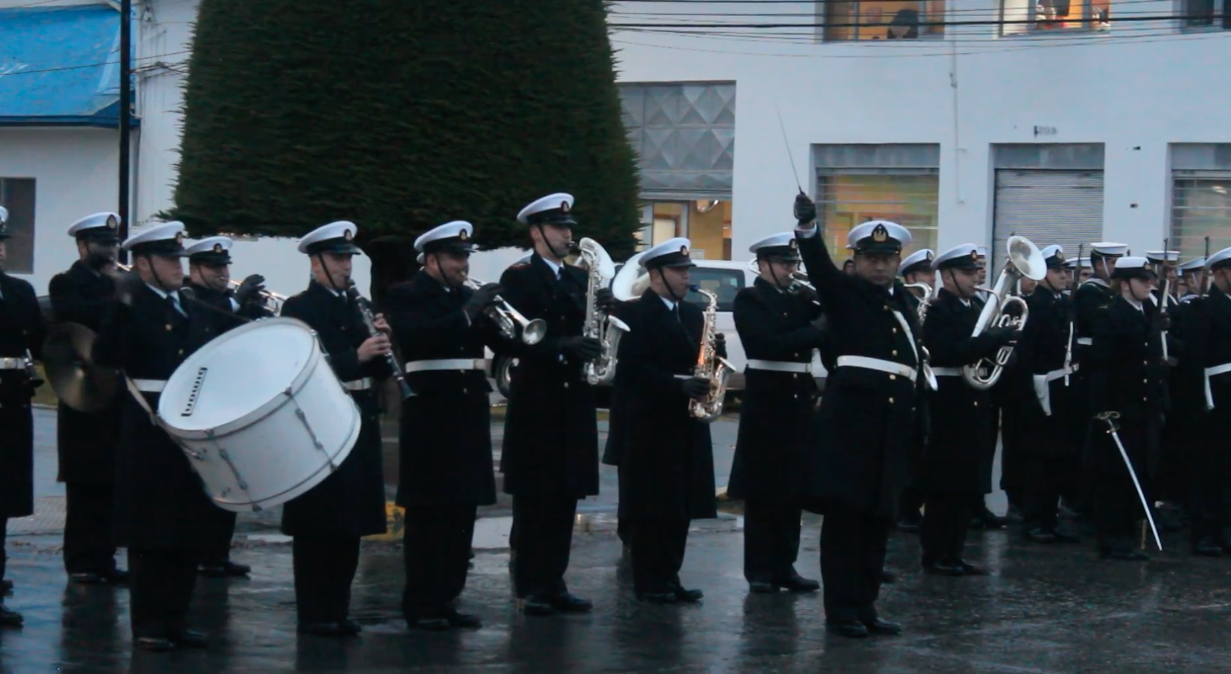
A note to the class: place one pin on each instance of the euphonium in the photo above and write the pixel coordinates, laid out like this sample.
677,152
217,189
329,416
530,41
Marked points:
710,365
600,325
1025,259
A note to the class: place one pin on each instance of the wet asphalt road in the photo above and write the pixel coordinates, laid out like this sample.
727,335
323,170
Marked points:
1043,609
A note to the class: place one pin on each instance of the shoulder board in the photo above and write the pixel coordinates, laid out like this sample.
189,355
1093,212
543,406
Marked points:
520,265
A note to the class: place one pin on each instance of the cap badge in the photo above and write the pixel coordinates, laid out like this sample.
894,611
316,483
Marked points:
463,235
684,250
112,222
974,254
880,234
179,238
793,244
929,257
1060,256
564,206
346,234
217,248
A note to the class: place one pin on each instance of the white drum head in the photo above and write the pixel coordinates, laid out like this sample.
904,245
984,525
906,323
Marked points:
237,374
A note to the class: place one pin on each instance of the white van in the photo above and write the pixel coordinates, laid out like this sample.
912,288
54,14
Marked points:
721,277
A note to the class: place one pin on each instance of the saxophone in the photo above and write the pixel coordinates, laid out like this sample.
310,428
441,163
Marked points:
599,325
710,365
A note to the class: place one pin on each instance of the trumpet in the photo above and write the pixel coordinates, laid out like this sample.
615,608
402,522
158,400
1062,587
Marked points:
799,280
508,319
270,300
1025,259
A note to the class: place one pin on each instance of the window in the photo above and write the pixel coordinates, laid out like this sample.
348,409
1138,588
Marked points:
17,195
850,20
1204,13
706,222
725,283
1200,207
906,197
1029,16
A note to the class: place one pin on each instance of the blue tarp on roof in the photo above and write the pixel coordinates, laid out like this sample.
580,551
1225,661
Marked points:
60,66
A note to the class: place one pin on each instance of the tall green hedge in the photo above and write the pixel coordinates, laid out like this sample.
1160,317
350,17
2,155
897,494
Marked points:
400,115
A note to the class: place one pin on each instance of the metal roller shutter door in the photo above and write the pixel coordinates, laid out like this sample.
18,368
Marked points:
1047,207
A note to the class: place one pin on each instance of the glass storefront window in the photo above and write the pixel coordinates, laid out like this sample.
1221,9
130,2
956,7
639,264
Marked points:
1200,207
849,20
706,222
909,199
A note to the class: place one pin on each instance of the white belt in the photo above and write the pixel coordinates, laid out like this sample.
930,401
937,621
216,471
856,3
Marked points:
1210,372
1042,386
12,363
879,365
358,384
947,371
446,364
778,365
1085,341
150,385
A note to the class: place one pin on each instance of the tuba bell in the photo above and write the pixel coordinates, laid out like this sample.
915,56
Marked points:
600,325
1025,259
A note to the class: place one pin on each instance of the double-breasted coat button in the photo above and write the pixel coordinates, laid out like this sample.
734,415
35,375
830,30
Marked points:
891,401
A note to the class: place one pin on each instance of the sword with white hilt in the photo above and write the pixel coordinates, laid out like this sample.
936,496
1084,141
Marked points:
1113,431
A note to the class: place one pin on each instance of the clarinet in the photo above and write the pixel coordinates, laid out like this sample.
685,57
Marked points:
370,321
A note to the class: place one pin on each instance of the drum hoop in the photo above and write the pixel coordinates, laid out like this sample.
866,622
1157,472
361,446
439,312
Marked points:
280,400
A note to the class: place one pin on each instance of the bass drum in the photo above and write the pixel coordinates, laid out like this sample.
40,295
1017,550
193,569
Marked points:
260,414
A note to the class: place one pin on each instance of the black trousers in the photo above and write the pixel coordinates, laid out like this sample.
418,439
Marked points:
1014,466
1117,508
771,540
910,503
160,590
436,548
217,543
658,553
324,569
4,557
88,543
853,545
1046,476
946,520
544,539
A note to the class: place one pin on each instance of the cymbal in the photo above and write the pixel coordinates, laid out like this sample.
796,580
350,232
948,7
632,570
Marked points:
82,385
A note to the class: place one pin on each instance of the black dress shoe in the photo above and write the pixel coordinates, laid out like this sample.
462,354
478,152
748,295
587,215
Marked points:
224,569
687,596
86,578
465,620
190,639
793,582
883,627
323,629
1207,547
944,568
1064,535
908,527
969,569
658,597
762,587
1040,535
535,605
1014,514
9,618
990,519
350,626
6,586
156,644
1126,555
115,576
887,577
567,603
847,628
433,624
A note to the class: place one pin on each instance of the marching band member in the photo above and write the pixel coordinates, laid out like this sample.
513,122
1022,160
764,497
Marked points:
1127,376
1166,263
1079,267
21,338
445,443
1203,403
1091,295
952,474
550,453
1191,278
858,461
87,441
328,521
779,330
162,508
1171,484
667,461
209,279
981,517
1047,404
915,268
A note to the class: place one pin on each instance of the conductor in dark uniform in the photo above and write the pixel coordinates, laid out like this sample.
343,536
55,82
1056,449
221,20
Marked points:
1127,377
779,330
209,278
328,521
951,475
21,341
858,462
550,452
667,460
445,467
161,504
87,441
915,268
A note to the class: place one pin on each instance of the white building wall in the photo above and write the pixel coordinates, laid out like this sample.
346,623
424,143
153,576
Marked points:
1135,90
75,175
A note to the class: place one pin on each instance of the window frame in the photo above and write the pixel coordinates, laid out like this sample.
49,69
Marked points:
1181,9
1033,30
836,172
1183,175
823,8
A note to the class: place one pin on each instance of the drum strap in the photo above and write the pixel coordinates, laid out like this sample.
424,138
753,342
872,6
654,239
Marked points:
446,364
136,394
